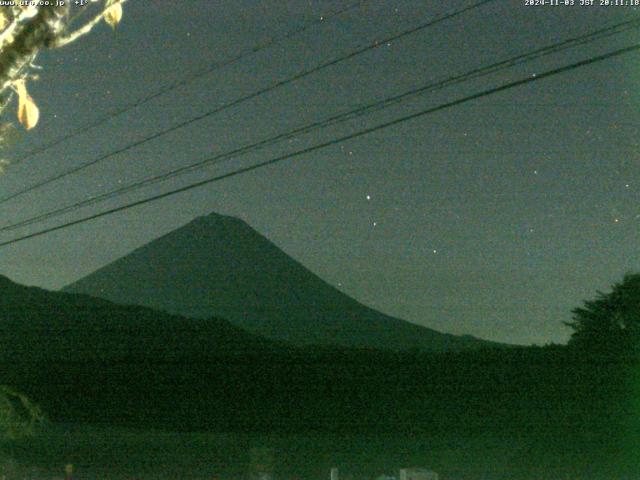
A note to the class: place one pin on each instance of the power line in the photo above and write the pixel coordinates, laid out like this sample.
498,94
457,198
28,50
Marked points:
245,98
192,78
339,118
397,121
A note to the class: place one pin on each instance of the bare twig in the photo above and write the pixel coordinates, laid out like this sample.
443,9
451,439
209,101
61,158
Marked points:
86,28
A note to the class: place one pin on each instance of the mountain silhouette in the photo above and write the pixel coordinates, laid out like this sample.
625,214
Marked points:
37,325
219,266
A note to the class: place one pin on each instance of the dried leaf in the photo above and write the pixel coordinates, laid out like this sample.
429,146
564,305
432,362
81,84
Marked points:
28,113
113,14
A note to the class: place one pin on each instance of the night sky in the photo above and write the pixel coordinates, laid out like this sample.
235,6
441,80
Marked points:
493,218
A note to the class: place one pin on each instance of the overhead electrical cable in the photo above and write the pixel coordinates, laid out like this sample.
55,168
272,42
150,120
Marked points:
335,119
245,98
189,79
335,141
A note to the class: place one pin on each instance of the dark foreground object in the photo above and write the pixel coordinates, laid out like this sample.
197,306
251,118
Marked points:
536,409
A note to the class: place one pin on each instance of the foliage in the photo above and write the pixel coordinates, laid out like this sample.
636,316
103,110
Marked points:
25,30
19,417
610,324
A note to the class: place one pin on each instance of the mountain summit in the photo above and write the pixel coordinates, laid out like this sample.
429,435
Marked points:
218,265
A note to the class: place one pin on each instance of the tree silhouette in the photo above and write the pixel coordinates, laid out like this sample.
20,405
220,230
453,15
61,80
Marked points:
27,28
610,324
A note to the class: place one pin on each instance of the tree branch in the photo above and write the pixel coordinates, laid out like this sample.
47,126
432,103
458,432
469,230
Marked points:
38,33
15,22
72,37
